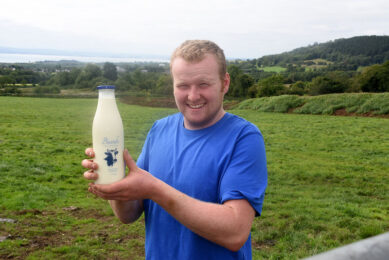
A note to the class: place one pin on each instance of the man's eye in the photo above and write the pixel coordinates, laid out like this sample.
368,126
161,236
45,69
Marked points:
204,85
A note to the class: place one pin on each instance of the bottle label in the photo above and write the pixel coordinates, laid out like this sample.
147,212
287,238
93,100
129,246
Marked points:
111,153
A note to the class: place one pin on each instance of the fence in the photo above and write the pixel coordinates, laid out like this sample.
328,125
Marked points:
373,248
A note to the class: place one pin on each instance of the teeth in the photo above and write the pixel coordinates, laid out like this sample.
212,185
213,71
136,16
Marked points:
196,106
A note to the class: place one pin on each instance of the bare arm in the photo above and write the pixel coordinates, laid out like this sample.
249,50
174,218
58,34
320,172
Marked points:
227,224
127,211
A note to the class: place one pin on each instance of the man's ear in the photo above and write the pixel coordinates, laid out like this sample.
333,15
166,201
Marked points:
226,83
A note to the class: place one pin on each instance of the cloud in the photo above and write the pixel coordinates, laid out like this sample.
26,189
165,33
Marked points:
244,28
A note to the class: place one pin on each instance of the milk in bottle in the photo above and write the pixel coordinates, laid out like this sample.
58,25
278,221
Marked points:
108,138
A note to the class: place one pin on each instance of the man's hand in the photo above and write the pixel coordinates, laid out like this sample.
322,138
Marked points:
124,197
137,185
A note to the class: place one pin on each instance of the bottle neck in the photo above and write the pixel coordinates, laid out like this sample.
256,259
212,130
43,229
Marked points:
106,94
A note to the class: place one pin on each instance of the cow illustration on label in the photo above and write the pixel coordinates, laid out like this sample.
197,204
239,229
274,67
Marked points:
111,156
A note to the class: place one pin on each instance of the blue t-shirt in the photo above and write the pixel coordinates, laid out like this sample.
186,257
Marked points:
225,161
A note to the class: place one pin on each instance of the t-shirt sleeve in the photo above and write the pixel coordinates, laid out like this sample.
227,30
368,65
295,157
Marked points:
143,159
246,174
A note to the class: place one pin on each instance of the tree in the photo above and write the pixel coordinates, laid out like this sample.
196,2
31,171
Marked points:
89,76
125,81
240,82
92,71
234,72
272,86
110,71
5,81
164,85
252,92
10,91
331,82
297,88
245,81
375,78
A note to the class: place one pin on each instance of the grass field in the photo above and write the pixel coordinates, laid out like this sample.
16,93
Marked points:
328,182
276,69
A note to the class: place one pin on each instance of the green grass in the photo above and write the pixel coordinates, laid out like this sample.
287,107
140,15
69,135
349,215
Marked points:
328,182
42,143
357,103
276,69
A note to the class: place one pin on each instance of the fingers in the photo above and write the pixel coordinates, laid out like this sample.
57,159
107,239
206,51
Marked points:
89,164
129,161
108,192
108,196
91,175
106,189
90,152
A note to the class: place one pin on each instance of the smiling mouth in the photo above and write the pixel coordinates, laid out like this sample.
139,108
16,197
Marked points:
196,106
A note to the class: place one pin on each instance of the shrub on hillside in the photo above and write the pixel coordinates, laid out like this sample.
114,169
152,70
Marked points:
375,78
47,90
272,86
10,91
298,88
326,85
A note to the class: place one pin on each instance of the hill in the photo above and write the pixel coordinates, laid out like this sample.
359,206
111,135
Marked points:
343,54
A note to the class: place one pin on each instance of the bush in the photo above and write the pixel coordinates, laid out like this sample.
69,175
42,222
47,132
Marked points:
10,91
375,78
47,90
297,88
272,86
252,91
325,85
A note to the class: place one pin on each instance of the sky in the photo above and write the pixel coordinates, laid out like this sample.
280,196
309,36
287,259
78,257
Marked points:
245,29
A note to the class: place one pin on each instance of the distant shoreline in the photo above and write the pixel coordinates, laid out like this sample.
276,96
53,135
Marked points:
31,58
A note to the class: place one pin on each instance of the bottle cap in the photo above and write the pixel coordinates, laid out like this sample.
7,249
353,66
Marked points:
106,87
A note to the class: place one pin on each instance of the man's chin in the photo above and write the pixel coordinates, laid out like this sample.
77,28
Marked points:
195,123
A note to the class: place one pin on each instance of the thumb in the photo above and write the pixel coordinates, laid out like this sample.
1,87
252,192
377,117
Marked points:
129,161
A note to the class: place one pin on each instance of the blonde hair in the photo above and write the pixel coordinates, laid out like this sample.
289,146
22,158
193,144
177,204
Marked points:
195,51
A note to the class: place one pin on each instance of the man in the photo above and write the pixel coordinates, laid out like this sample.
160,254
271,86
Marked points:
201,177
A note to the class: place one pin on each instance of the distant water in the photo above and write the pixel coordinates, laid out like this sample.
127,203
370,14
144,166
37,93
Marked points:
30,58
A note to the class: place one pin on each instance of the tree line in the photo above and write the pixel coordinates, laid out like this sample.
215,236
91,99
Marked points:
358,64
344,54
373,78
155,79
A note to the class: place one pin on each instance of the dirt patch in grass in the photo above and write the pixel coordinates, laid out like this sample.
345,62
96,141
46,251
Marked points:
80,213
29,242
343,112
260,245
36,230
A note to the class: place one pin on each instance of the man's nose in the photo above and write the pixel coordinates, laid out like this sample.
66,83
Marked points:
193,94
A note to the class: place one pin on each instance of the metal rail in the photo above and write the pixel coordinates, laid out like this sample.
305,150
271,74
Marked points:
373,248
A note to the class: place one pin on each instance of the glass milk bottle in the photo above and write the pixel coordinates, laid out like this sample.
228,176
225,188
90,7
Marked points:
108,138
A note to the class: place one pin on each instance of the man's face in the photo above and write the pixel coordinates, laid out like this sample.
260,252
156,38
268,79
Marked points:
199,91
